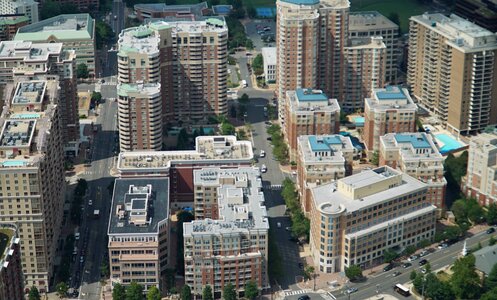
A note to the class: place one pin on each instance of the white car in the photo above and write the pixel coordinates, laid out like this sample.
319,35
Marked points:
412,258
90,202
263,153
263,169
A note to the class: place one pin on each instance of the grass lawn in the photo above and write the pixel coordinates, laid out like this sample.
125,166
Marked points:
405,9
443,276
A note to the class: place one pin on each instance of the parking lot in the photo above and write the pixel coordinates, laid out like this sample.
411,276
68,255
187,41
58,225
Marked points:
254,26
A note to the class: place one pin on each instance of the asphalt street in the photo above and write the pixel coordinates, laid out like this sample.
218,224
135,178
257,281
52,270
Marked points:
98,178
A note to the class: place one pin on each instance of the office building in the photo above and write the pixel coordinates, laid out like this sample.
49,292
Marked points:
9,26
27,8
140,118
451,70
309,112
481,12
365,70
187,58
310,40
11,279
209,151
234,244
416,155
373,24
147,11
481,179
32,184
388,110
75,32
355,219
269,58
320,160
138,231
46,61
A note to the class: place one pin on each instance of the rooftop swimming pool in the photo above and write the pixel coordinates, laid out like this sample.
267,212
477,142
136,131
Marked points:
359,121
14,163
446,143
25,116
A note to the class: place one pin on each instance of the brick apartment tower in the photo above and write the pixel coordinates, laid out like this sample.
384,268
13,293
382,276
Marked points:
451,71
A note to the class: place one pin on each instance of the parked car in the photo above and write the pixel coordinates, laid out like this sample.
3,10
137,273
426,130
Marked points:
263,153
304,297
351,290
412,258
490,230
278,225
388,267
406,265
90,202
423,270
424,253
396,273
263,169
443,246
423,262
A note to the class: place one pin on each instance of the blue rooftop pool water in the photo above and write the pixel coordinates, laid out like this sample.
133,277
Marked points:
449,143
25,116
359,121
13,163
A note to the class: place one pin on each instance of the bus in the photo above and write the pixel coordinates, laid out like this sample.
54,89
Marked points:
399,288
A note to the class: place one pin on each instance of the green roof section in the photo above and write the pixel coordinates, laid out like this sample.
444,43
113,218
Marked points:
124,89
159,26
215,22
13,21
62,27
142,32
6,235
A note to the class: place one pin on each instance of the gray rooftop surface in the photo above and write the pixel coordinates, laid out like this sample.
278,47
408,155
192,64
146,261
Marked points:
486,258
158,205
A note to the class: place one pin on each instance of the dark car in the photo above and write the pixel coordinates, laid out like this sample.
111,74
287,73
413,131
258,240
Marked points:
388,267
304,297
406,265
269,138
490,230
396,273
423,262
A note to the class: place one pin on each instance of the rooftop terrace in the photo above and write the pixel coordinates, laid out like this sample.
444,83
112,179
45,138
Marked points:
368,20
17,133
139,206
28,50
29,92
142,89
391,97
240,200
412,145
207,148
302,100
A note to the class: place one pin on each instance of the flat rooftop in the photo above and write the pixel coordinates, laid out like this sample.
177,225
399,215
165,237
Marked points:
28,50
195,9
461,33
140,39
412,146
62,27
324,148
17,133
240,200
29,92
269,54
335,200
207,148
148,89
139,199
369,20
391,97
374,42
309,100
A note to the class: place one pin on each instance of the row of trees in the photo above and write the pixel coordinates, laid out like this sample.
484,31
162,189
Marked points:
280,148
258,64
469,210
237,36
77,202
300,224
134,292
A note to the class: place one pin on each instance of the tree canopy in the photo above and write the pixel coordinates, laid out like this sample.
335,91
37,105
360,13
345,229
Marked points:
353,272
153,293
51,9
207,293
33,293
258,64
229,292
82,71
62,289
103,33
464,280
134,291
251,290
186,292
118,292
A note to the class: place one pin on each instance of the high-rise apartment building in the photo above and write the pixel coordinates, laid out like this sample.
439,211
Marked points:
481,12
75,32
355,219
310,37
45,61
365,70
32,183
210,151
309,112
373,24
11,279
451,71
232,246
187,58
138,231
9,26
416,155
147,11
28,8
388,110
320,160
140,116
481,176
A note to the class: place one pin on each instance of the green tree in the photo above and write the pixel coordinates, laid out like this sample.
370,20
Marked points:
118,292
134,291
492,214
353,272
308,272
227,128
207,293
475,212
61,289
104,269
491,280
103,33
389,255
186,292
251,290
229,292
409,250
96,97
183,141
244,99
418,282
490,295
394,17
492,241
51,9
82,71
455,168
375,158
258,64
153,293
34,294
464,280
413,275
436,289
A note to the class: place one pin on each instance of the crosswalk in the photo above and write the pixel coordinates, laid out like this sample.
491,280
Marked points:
87,173
273,187
329,296
299,292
